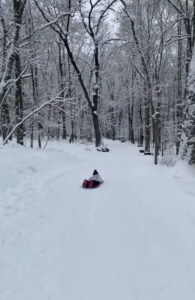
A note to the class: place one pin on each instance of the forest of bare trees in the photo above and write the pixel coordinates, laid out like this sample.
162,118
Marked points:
86,70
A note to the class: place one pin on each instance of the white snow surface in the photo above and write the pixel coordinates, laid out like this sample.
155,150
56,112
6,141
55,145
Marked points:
133,238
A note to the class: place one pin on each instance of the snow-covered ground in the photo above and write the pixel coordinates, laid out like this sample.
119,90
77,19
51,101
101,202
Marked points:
133,238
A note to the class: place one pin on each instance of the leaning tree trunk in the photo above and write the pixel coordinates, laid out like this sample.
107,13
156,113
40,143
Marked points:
92,105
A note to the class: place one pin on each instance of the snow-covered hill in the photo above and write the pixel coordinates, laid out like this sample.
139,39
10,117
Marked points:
131,239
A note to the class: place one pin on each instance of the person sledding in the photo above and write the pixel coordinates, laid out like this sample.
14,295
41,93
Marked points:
93,182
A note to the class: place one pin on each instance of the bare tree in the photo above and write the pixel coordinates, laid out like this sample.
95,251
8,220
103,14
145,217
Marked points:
93,31
189,122
149,106
11,56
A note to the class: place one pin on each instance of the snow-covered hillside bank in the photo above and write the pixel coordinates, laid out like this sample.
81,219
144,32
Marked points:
131,239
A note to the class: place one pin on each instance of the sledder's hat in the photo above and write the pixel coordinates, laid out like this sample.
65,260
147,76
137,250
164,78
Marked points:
95,172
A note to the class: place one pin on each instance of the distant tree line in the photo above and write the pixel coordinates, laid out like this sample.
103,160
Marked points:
83,70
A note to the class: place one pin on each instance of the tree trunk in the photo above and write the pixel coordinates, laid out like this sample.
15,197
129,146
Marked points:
179,91
98,140
93,107
19,101
130,122
156,137
97,130
189,39
18,13
5,119
189,124
147,126
62,77
32,134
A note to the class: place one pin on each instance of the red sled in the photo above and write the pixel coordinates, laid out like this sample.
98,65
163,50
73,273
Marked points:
90,184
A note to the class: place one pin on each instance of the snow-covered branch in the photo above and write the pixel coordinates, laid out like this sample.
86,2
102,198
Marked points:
36,110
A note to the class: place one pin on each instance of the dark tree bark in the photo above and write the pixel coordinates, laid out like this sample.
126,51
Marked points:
141,133
5,76
130,122
179,91
19,101
189,123
62,77
5,119
131,109
96,96
18,13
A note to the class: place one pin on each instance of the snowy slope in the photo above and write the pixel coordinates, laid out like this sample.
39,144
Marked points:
131,239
